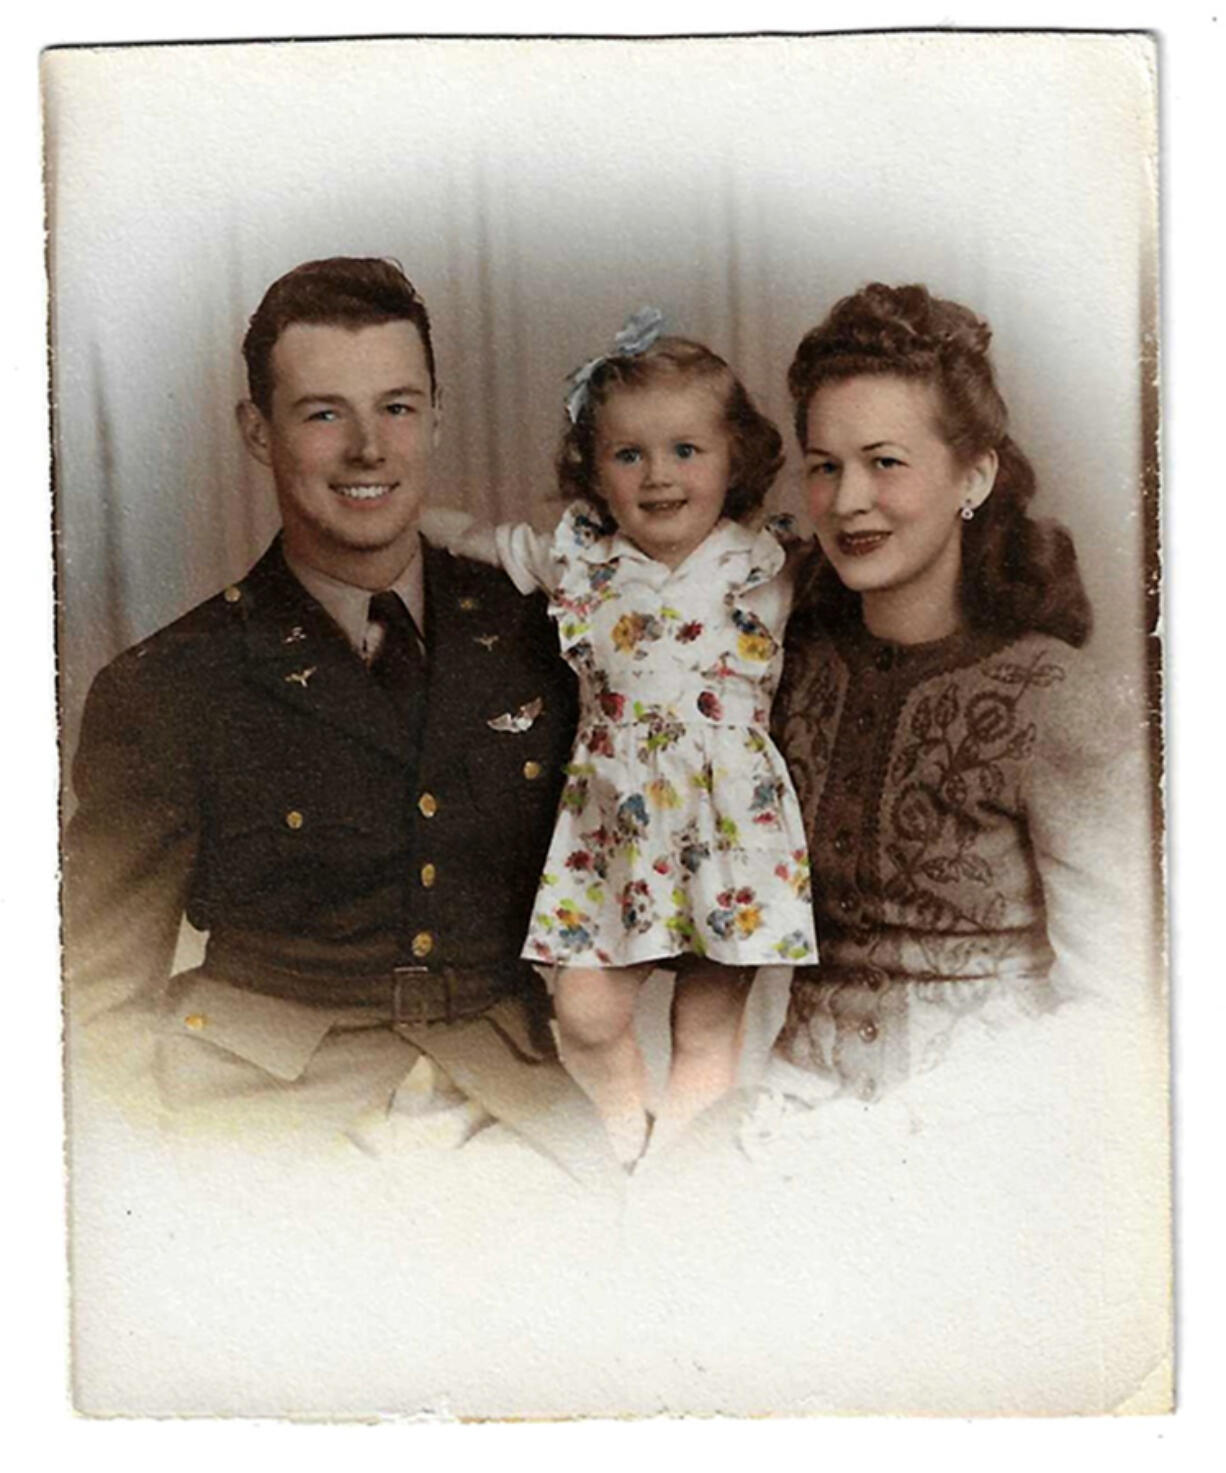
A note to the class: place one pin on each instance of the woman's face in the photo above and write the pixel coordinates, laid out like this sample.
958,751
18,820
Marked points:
886,494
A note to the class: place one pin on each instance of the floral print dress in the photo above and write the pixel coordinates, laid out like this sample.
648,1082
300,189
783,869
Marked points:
678,829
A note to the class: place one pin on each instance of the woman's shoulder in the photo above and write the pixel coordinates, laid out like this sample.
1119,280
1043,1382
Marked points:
1082,708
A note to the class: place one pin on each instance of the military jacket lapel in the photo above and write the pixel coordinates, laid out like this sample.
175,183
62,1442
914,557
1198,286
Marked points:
298,655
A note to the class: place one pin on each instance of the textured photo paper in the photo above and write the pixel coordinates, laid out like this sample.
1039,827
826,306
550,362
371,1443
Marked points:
989,1237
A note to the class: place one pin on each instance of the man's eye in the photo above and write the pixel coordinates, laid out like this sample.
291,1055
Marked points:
322,414
399,409
888,462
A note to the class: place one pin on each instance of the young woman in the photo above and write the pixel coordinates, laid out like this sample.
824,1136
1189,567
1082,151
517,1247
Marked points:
959,764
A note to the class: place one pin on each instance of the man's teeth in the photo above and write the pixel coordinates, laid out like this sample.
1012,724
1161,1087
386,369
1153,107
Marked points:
362,493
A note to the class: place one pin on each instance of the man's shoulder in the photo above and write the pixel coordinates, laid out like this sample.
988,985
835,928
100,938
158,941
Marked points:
467,584
196,641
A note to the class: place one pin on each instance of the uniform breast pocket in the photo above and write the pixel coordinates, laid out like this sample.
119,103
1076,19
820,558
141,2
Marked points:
276,831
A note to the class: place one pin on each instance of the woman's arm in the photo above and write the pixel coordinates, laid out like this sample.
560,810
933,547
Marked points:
1089,806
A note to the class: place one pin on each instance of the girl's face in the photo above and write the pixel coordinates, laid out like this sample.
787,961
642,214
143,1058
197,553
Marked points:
886,494
663,459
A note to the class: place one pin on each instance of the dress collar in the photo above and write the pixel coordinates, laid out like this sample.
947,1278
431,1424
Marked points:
760,551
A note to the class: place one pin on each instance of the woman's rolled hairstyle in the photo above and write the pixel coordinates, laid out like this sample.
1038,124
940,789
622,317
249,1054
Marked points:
1019,574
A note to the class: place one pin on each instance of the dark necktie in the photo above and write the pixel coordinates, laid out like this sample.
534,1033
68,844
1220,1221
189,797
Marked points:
398,666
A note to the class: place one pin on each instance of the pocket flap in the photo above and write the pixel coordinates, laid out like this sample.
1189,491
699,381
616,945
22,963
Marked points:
277,1035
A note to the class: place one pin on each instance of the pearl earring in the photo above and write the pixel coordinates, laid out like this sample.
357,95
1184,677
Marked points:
968,510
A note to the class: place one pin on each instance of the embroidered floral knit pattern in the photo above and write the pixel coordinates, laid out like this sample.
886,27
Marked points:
949,791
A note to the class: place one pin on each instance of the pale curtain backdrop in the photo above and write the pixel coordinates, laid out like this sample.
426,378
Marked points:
538,191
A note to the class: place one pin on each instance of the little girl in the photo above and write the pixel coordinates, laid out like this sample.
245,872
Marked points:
678,833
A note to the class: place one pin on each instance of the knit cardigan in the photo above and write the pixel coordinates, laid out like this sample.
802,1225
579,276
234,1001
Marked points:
977,817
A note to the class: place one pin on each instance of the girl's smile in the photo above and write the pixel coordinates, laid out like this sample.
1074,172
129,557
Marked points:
663,458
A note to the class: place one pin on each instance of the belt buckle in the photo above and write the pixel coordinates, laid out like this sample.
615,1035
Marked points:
401,975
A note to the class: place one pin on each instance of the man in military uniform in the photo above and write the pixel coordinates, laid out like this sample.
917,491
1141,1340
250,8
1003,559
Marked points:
343,768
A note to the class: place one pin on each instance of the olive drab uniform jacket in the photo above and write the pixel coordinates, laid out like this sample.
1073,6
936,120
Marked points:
242,768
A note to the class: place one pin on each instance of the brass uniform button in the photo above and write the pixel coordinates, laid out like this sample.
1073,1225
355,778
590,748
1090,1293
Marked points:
195,1020
232,594
423,944
468,604
532,770
427,805
294,819
428,875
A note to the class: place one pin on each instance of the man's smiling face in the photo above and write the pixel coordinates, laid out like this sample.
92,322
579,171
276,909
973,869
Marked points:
349,437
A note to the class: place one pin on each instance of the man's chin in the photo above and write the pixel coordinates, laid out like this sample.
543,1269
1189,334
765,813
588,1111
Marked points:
339,550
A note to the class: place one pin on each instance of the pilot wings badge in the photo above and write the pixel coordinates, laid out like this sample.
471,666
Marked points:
522,719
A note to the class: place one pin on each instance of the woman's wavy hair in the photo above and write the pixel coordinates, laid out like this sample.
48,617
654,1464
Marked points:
757,446
1019,574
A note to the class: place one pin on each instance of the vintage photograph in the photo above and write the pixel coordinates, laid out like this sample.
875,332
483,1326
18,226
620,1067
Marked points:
611,725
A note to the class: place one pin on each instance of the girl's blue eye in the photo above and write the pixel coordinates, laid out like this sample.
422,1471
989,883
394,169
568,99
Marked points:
626,456
685,450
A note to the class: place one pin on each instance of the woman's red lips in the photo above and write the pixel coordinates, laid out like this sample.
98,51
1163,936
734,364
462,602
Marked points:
858,544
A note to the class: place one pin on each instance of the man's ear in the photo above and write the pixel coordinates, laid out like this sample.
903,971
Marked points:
980,479
437,428
253,427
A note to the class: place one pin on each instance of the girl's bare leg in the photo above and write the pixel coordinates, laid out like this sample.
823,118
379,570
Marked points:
595,1014
708,1031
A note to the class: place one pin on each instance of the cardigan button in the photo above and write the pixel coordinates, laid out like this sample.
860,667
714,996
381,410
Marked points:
885,659
842,842
868,1030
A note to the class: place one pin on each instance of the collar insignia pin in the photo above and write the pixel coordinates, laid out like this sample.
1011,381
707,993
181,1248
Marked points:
468,604
300,677
295,634
486,641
